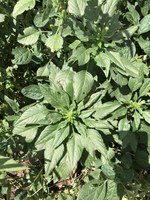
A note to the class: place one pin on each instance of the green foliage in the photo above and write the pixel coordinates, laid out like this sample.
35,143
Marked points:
74,94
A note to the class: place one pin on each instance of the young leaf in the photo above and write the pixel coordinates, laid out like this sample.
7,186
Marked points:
77,7
23,5
82,85
54,42
30,37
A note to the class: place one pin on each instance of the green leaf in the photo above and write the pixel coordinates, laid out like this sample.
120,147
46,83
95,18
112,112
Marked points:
145,88
28,132
92,99
9,165
146,115
73,155
52,156
102,110
137,119
2,18
108,7
30,37
145,45
108,170
40,20
57,97
96,142
144,25
82,84
132,16
14,106
32,92
81,54
123,64
77,7
114,191
124,125
100,124
23,5
103,61
89,192
135,83
74,152
46,135
34,115
145,8
65,80
22,56
54,42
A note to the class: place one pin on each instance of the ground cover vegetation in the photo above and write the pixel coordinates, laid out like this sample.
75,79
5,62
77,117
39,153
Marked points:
74,93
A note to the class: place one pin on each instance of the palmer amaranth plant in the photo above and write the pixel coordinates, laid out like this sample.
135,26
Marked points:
74,92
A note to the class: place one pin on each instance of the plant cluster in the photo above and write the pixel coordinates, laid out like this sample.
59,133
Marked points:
75,106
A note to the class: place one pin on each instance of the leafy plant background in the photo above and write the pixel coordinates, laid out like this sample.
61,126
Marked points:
74,91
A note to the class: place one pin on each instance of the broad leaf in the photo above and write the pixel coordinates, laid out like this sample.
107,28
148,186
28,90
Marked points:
10,165
34,115
81,54
22,56
65,80
14,106
102,110
82,84
96,142
144,24
73,155
123,64
2,18
103,61
89,192
28,132
23,5
146,115
57,97
145,88
145,45
77,7
30,37
108,7
54,42
74,152
114,191
32,92
52,156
